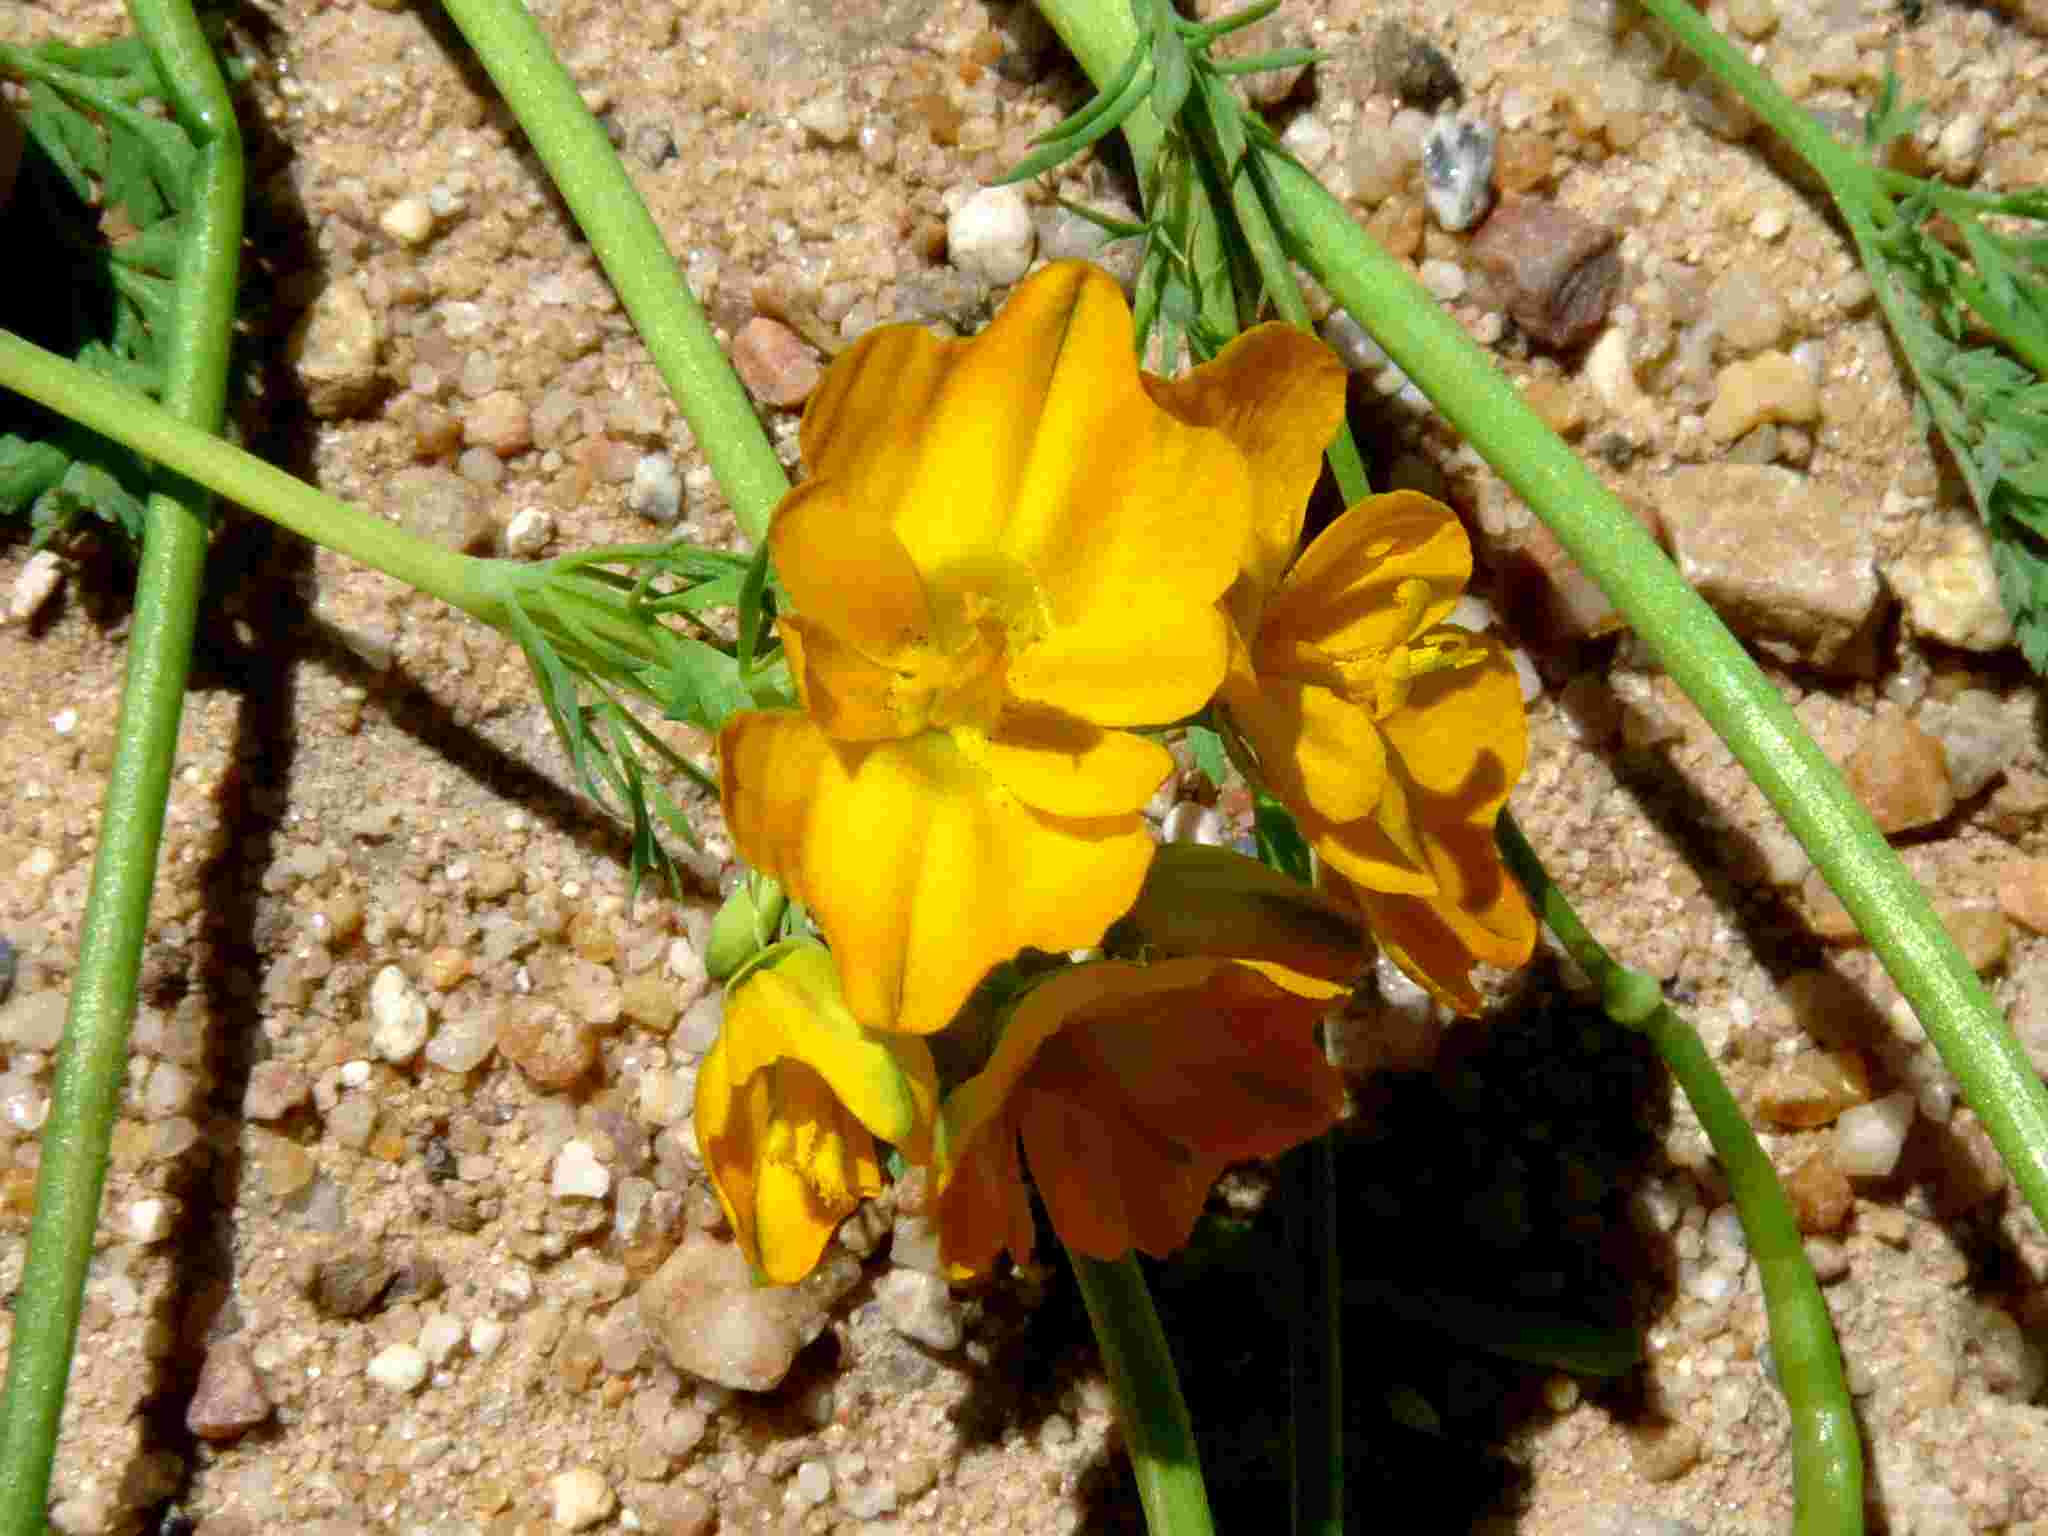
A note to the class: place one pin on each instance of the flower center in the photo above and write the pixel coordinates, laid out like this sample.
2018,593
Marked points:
984,611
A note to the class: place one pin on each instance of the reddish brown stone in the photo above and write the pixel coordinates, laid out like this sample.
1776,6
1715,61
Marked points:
1558,271
774,364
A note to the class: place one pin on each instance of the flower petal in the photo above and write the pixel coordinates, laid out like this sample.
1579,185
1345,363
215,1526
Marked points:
982,1207
850,696
1068,767
847,570
1481,915
1027,470
1463,731
922,871
1345,597
1278,394
1319,752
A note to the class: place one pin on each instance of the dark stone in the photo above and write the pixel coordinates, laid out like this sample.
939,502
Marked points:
1414,69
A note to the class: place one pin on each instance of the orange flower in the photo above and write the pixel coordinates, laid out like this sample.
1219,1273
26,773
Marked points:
1127,1089
1392,736
1006,551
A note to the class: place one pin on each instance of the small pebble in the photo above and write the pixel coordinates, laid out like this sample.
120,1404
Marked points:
439,505
151,1220
499,421
230,1398
39,578
580,1498
990,236
409,221
2023,893
34,1021
1457,171
398,1014
1900,773
334,348
1869,1137
578,1174
398,1368
1981,739
440,1336
1413,68
777,365
1768,387
464,1041
920,1306
1558,271
826,118
1445,280
1950,590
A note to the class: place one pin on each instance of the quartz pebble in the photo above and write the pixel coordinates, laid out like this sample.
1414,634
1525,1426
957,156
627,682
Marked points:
334,349
408,220
34,586
580,1498
397,1368
440,1336
1950,590
920,1306
1980,737
464,1041
716,1323
34,1021
1786,560
990,236
499,421
1869,1137
777,365
578,1174
1457,171
398,1016
439,505
2023,893
230,1398
826,118
275,1089
1558,271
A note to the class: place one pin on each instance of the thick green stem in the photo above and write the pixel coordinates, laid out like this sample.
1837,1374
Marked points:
609,210
1827,1455
1157,1431
92,1062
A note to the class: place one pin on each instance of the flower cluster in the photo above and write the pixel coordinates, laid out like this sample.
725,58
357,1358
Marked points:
1009,556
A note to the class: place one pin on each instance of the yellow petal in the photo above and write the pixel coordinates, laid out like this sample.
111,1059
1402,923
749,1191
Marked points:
1068,767
1464,731
847,571
1278,394
922,871
851,697
1351,592
1028,469
1481,916
1318,752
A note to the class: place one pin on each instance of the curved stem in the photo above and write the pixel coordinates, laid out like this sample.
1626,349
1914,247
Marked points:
612,216
91,1064
1157,1431
1827,1455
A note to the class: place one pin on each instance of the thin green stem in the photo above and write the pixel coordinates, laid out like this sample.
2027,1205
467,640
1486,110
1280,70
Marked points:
127,418
1692,644
612,216
91,1064
1827,1454
1157,1431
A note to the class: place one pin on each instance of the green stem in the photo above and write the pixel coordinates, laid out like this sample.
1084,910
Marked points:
1827,1455
129,419
1692,644
1157,1431
612,216
92,1062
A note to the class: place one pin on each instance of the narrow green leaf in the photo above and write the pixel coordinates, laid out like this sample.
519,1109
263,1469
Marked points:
1206,746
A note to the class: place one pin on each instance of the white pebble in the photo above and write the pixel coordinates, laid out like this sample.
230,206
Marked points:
581,1498
40,575
399,1017
991,235
826,118
64,722
1724,1235
485,1335
528,532
812,1485
1868,1137
578,1174
463,1040
440,1336
409,221
352,1074
920,1306
150,1221
1444,279
1308,140
400,1367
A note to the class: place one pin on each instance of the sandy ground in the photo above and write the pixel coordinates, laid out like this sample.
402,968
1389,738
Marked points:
367,781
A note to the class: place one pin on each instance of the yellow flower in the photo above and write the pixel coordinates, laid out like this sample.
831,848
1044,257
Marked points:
790,1100
1393,736
1007,549
1127,1089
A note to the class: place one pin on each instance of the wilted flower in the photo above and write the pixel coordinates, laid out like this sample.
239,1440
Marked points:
1126,1089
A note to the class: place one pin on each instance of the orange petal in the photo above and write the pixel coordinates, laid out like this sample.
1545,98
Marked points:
847,571
1067,767
1278,394
1345,596
1320,753
1090,669
982,1204
1481,916
921,870
851,697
